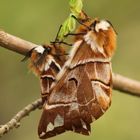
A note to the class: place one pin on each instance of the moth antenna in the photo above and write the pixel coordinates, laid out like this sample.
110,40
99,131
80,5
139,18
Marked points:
56,38
112,26
28,55
62,42
80,22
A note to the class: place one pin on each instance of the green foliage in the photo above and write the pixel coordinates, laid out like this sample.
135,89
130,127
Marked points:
67,27
70,23
76,6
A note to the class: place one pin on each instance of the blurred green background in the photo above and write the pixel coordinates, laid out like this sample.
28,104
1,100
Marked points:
38,21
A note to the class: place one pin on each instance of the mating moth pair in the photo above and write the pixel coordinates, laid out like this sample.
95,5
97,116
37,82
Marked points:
76,89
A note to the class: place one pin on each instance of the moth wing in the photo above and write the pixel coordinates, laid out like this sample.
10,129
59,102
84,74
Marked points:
66,108
79,97
84,54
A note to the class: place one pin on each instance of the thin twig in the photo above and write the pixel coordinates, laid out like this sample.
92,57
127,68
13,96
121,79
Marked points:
15,121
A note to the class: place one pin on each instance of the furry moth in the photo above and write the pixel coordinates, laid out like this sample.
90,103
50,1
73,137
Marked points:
46,62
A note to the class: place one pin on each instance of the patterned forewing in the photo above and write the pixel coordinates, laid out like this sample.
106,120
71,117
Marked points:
81,95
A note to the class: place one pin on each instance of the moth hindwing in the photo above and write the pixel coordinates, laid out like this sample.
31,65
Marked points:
82,92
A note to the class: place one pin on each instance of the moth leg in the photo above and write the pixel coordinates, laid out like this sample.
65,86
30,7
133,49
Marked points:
75,34
56,38
61,42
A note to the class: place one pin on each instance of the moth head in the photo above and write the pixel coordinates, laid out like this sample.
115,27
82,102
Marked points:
104,35
38,57
42,57
40,52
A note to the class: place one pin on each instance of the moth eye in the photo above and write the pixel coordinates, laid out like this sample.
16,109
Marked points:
48,49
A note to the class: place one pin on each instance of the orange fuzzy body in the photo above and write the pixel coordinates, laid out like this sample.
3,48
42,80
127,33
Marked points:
105,38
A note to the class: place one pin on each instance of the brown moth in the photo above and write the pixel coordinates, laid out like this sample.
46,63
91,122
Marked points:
46,62
83,89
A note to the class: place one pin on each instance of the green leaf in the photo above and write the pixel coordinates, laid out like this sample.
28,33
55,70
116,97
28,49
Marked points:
67,27
72,2
70,23
76,6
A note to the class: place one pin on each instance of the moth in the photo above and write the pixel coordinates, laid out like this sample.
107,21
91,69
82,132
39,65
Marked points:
46,62
83,87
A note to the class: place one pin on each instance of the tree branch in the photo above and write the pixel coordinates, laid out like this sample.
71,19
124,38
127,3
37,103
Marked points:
126,85
14,43
21,46
15,121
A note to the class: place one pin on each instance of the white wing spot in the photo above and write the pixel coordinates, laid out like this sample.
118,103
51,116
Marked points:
42,134
74,106
104,25
59,121
39,49
84,124
50,127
